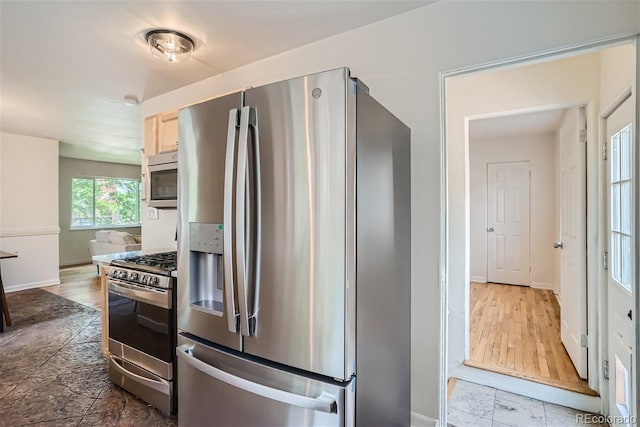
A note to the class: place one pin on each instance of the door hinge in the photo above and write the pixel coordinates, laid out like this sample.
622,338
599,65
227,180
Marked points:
605,369
605,260
604,151
583,135
584,341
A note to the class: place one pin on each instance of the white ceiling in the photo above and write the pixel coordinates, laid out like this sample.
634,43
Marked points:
516,124
65,66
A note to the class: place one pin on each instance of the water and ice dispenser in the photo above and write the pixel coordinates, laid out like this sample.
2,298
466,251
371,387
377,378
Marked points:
205,253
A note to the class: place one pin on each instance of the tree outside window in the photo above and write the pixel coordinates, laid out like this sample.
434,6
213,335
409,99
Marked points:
99,202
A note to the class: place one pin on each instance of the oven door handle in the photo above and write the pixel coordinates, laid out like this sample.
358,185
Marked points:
159,299
159,385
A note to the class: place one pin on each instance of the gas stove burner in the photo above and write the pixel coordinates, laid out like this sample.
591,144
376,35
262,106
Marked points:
163,262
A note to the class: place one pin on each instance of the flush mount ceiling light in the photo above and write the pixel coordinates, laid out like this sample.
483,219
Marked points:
170,45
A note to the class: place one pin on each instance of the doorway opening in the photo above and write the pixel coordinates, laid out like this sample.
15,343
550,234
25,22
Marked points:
527,226
525,213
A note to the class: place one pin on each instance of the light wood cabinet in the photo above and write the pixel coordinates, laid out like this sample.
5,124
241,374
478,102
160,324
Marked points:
150,135
161,133
167,132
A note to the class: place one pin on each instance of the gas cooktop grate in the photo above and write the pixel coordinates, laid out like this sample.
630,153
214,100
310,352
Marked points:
164,261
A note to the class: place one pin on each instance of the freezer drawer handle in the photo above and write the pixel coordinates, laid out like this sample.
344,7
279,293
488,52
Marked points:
159,385
325,402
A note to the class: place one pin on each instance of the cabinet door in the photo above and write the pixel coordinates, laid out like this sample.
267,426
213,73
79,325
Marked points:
167,132
150,135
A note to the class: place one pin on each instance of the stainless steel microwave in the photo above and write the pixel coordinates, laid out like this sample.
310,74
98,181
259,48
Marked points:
163,180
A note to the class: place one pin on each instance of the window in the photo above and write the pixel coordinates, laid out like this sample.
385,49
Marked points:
104,202
621,209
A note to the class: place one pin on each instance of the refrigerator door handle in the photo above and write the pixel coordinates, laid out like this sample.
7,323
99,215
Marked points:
255,250
240,223
325,402
232,316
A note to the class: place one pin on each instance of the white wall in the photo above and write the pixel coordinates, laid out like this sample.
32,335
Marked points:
74,244
540,151
401,59
29,210
617,73
159,234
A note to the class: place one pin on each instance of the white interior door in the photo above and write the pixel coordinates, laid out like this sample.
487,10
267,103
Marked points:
572,244
621,287
508,223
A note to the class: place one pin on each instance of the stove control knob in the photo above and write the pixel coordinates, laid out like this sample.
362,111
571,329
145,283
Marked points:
145,279
153,280
121,274
133,276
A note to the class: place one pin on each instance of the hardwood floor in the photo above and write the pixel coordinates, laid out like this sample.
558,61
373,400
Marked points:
515,330
80,284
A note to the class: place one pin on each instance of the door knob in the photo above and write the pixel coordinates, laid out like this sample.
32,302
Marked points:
630,315
558,244
490,230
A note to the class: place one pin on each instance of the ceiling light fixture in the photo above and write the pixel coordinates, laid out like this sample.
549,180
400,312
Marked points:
170,45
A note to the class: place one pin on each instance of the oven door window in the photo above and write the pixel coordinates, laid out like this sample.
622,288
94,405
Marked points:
145,327
164,184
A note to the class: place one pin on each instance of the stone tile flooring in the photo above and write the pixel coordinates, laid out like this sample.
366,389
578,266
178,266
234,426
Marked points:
53,373
475,405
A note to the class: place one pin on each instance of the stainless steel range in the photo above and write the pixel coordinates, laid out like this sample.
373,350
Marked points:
142,327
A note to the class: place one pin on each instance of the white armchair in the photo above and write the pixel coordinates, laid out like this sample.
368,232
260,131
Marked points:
111,241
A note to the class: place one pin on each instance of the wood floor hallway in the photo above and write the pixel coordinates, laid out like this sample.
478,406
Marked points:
515,330
79,283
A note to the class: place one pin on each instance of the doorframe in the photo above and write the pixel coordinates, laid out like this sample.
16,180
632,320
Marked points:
595,271
637,220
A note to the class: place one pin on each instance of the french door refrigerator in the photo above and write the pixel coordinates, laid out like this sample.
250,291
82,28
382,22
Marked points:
294,257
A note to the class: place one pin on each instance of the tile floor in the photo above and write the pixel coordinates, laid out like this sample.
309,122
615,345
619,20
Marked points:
53,373
475,405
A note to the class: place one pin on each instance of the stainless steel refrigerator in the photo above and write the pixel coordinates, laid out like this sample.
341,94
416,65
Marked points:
294,247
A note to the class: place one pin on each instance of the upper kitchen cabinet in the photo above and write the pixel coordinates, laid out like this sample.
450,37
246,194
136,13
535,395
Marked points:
161,133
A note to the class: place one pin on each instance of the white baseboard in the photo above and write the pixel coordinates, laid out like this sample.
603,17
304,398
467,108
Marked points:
24,286
419,420
76,262
531,389
542,285
478,279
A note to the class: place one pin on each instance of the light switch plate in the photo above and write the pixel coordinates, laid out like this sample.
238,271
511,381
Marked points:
153,213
